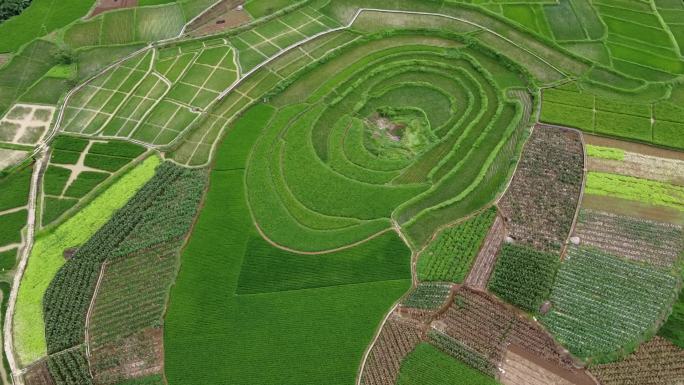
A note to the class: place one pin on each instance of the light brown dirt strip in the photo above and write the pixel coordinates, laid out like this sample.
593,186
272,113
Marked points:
633,147
642,166
486,258
521,367
633,208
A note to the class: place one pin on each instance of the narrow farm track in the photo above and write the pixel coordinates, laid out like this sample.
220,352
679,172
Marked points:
321,252
39,168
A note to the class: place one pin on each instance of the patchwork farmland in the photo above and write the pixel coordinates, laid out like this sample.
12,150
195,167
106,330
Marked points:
342,192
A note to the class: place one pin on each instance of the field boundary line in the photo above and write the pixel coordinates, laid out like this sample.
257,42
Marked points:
89,313
321,252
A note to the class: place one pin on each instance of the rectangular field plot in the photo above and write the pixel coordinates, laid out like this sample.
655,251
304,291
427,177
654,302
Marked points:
26,123
165,122
211,71
92,107
139,103
266,40
77,167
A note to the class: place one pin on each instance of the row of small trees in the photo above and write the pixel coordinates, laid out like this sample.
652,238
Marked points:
161,211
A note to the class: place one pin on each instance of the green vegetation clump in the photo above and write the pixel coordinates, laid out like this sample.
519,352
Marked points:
605,152
637,189
524,276
673,329
70,367
428,295
427,365
450,255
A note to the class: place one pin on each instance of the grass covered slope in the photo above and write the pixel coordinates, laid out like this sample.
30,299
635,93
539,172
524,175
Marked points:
47,257
40,18
282,337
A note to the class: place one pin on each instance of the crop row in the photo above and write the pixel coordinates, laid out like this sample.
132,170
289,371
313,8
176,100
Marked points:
640,239
450,256
604,305
161,211
70,367
524,276
655,362
132,294
397,338
462,352
428,296
487,326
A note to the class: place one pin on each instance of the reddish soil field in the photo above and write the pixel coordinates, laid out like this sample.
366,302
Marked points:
399,336
657,362
488,326
139,355
222,16
108,5
541,202
38,374
486,258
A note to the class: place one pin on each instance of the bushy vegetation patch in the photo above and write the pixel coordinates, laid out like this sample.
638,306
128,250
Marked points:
70,367
524,276
450,255
428,295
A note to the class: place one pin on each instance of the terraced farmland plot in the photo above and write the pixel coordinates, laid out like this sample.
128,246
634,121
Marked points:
266,40
154,97
603,305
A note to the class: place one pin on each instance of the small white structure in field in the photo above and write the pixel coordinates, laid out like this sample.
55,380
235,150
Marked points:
575,240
